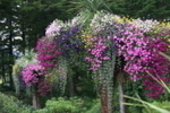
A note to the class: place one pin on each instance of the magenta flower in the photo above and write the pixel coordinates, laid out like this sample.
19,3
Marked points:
97,52
48,52
33,76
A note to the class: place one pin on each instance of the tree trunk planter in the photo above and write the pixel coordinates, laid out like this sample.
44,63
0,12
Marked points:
36,100
105,107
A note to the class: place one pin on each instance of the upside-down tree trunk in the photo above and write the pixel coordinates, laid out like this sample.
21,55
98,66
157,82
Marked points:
71,87
121,99
104,100
36,99
106,74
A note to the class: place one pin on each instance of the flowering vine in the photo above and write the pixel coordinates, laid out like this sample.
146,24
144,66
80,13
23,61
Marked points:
69,42
47,52
97,51
134,42
33,76
140,53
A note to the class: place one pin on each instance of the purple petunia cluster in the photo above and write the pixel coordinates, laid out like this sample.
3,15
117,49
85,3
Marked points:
135,42
97,53
33,76
139,52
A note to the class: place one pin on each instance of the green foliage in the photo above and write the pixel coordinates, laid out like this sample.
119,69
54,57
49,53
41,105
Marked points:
43,111
164,105
87,8
28,58
90,105
72,105
10,104
91,5
95,109
60,105
148,106
131,109
148,9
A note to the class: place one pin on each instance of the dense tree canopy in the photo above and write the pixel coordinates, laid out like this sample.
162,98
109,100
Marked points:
27,20
145,9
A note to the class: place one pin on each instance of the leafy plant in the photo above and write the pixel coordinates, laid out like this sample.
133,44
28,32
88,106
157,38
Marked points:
60,105
95,109
20,63
164,105
149,107
72,105
10,104
156,106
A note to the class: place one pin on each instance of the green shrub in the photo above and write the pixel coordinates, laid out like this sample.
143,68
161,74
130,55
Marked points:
72,105
44,110
60,105
10,104
165,105
95,109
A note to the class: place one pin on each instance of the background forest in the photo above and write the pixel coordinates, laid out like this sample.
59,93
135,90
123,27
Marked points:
24,29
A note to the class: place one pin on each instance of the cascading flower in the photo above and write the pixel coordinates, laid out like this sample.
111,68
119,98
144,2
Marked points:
97,53
137,42
101,20
69,42
47,52
100,45
33,76
138,50
145,25
140,53
54,28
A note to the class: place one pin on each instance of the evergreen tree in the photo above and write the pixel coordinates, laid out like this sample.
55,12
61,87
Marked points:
35,16
8,24
28,20
145,9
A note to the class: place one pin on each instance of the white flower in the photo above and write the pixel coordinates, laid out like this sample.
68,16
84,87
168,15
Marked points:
54,28
102,19
145,25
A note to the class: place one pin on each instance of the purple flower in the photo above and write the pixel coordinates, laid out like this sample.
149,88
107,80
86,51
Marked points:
33,76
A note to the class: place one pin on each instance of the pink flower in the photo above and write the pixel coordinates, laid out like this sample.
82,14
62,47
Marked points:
33,76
